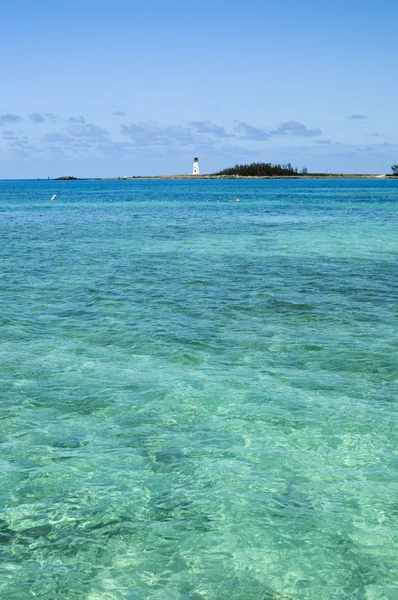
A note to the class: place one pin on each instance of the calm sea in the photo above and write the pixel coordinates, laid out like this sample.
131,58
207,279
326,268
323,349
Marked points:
199,396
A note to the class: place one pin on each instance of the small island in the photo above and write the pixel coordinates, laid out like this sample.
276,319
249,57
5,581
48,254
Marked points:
263,170
257,170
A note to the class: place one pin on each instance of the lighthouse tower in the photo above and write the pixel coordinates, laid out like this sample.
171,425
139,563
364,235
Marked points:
195,170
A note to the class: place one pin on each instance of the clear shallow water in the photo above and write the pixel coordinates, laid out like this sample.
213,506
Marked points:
198,397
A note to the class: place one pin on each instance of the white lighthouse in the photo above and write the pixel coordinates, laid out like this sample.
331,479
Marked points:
195,170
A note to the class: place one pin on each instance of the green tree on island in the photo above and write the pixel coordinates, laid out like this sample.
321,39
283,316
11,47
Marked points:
263,170
394,169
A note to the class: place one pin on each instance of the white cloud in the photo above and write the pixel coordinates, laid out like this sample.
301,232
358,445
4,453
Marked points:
252,133
152,133
37,118
9,118
76,120
88,131
208,127
296,129
291,128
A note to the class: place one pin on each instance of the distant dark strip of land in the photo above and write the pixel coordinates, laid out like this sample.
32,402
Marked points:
191,177
307,176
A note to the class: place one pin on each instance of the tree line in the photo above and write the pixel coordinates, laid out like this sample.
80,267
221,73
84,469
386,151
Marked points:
263,170
268,170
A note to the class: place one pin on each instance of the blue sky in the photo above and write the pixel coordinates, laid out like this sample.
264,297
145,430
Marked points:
140,88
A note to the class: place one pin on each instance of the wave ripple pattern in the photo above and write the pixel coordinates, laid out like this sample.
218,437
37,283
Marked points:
198,396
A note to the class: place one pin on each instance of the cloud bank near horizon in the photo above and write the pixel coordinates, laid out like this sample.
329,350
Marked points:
45,136
77,134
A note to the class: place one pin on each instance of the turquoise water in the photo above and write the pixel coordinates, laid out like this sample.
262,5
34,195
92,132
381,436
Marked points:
198,396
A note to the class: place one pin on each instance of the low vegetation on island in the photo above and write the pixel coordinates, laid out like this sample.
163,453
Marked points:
263,170
269,170
66,178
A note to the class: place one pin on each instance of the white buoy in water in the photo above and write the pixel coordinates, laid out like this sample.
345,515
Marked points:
53,198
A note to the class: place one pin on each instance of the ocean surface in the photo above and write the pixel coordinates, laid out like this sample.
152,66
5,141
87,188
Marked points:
199,396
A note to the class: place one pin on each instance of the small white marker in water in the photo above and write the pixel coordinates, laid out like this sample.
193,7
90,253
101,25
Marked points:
53,198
